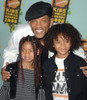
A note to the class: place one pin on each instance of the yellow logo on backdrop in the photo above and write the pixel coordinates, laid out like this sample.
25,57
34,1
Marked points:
11,13
60,8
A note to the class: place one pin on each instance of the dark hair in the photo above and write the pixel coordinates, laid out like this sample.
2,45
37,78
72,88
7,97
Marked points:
67,30
37,66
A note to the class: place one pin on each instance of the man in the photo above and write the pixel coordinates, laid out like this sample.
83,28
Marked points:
39,21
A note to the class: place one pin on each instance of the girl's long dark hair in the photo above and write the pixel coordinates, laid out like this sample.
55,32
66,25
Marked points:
37,58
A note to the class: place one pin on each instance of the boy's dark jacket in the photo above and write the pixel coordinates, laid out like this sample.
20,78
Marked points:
76,81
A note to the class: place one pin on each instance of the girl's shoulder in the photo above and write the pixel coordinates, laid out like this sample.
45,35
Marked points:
12,66
49,61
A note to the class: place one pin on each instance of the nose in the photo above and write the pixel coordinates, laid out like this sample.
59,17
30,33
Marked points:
62,44
38,24
27,53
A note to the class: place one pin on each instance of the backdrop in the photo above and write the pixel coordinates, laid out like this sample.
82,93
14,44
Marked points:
73,11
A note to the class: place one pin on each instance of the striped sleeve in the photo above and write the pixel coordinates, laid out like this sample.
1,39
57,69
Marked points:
4,91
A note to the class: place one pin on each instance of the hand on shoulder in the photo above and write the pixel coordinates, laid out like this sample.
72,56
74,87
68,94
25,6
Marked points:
5,74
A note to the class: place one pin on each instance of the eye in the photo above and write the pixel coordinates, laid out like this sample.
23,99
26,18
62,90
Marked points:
31,50
23,50
44,20
33,21
67,41
57,42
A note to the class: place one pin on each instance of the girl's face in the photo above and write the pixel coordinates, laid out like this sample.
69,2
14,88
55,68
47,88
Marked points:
27,53
62,46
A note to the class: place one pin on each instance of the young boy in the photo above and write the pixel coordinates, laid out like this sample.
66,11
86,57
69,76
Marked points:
63,78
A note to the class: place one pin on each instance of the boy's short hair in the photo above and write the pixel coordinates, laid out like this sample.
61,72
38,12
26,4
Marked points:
37,10
67,30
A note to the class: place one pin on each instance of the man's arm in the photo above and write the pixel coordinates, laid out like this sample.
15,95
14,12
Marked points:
84,69
80,52
11,51
10,54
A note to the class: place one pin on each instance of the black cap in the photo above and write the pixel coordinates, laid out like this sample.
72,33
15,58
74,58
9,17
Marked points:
38,9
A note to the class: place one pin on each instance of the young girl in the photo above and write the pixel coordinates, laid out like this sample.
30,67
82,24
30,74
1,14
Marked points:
25,74
63,78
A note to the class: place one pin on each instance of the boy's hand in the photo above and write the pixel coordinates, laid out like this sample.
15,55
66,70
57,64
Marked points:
5,74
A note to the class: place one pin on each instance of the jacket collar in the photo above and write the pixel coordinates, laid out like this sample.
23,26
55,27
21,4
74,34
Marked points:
53,67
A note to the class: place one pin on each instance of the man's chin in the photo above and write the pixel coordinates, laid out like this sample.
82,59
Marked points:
40,38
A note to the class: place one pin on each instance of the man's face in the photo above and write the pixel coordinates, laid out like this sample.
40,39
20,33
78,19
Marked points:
41,25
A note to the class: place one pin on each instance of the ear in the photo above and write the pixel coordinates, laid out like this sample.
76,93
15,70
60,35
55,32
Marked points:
38,52
29,22
53,46
51,22
53,43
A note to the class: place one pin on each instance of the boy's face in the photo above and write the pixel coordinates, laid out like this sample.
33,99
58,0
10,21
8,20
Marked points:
41,25
62,46
27,53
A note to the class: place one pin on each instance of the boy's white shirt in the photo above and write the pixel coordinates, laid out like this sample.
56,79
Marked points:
59,87
10,53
